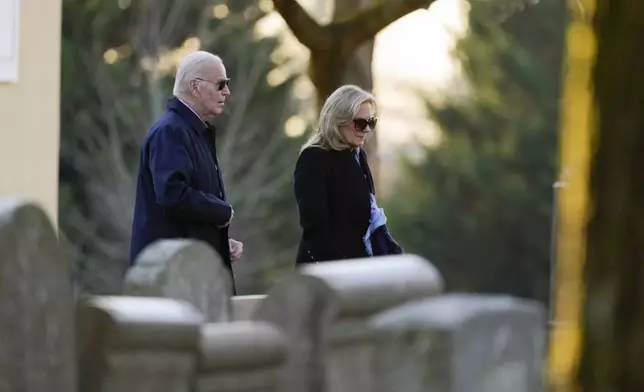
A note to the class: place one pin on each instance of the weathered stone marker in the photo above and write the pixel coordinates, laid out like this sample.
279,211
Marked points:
363,288
241,356
137,344
461,343
244,306
186,270
36,304
324,310
303,307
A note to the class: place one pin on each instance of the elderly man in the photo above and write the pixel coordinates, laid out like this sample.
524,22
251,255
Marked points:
180,192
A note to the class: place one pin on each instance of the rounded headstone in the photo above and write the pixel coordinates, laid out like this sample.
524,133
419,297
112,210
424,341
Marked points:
186,270
36,303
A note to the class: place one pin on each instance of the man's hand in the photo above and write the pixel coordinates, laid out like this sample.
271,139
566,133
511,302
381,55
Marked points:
232,213
236,249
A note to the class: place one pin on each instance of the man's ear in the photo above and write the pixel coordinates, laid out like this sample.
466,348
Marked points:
194,86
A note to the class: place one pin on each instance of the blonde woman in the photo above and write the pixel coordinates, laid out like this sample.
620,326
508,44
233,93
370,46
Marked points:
334,189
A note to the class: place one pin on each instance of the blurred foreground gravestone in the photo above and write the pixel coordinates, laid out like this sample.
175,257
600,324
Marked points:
244,306
303,308
461,343
324,311
137,344
241,356
186,270
365,325
36,304
364,288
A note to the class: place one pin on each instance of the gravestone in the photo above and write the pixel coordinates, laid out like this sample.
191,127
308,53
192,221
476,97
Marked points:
363,288
137,344
241,356
461,343
36,303
183,269
303,307
244,306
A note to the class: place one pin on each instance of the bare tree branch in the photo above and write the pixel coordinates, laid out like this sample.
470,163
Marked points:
303,26
351,31
363,25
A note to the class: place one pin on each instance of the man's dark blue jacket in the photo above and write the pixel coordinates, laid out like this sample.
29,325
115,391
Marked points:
180,192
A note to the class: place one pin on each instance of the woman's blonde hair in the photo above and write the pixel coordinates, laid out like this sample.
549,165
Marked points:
340,108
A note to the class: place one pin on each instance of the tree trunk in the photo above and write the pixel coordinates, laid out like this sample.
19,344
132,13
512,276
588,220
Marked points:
359,72
326,70
333,67
598,342
613,315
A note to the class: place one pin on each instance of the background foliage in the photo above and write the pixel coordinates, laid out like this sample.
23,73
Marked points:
479,205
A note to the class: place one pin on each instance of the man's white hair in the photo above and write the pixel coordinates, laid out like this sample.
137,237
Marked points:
191,67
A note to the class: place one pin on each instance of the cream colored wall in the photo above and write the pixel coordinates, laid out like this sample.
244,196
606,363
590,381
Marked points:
29,110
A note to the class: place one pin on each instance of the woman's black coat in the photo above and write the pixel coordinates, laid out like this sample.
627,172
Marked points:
333,197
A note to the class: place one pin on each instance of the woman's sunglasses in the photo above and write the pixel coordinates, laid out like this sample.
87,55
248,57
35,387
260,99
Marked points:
221,84
361,123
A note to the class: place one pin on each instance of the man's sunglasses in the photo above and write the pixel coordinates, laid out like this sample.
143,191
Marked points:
221,84
361,123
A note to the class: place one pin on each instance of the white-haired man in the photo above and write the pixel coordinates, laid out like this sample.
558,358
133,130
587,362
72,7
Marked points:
180,192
